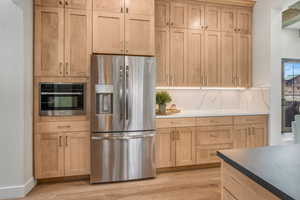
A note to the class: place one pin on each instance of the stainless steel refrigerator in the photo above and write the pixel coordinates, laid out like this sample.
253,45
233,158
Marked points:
122,121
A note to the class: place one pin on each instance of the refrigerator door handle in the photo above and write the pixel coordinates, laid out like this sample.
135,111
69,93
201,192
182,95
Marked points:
121,94
126,94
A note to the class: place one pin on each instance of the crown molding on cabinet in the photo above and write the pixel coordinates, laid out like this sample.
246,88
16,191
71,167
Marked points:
246,3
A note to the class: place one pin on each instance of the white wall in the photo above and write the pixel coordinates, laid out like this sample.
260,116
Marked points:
270,45
15,97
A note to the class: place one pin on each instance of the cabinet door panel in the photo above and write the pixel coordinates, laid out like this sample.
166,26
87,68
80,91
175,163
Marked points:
244,60
244,21
49,41
212,58
194,75
162,14
178,59
162,50
139,34
179,15
213,18
240,137
165,148
50,3
78,42
49,156
185,146
140,7
79,4
228,59
196,16
108,33
111,6
228,20
77,154
257,136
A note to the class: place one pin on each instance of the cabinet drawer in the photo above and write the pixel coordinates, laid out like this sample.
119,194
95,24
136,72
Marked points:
242,187
176,122
48,127
214,135
213,121
250,120
208,154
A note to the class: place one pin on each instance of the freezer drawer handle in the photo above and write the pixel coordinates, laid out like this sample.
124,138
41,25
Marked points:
123,138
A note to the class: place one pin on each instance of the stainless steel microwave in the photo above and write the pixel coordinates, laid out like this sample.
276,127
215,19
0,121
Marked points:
62,99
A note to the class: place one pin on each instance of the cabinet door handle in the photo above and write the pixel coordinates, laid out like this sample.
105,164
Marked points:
60,143
167,23
127,10
66,3
121,10
61,68
67,141
67,68
60,3
172,23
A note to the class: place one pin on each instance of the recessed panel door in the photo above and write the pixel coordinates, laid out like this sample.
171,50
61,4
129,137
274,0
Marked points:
49,41
78,42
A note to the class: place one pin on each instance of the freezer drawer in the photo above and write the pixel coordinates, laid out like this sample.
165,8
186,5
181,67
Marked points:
123,157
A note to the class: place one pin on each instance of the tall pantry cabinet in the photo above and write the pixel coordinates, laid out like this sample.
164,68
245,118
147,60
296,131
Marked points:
63,49
203,44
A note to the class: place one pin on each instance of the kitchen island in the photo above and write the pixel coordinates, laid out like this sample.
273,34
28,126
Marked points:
261,173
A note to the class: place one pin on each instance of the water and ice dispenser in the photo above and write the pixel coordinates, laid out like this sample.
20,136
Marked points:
104,99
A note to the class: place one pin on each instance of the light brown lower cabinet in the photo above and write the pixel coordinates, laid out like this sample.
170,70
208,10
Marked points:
62,154
175,147
195,141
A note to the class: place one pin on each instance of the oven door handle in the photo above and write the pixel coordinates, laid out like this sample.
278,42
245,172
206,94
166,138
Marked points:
61,93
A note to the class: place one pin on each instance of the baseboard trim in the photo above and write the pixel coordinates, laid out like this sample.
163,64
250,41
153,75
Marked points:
17,191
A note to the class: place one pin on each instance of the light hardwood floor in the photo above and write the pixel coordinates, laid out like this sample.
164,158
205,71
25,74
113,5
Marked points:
202,184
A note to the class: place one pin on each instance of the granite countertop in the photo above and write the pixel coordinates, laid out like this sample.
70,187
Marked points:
275,168
213,113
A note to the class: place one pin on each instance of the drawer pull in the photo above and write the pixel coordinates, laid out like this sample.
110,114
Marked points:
213,135
68,126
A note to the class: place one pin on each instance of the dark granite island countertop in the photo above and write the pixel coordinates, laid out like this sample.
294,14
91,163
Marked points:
276,168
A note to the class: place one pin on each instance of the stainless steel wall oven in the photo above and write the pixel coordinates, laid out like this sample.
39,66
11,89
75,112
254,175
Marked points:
62,99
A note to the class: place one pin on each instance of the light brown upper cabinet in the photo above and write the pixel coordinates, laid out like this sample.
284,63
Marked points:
78,42
229,19
75,4
178,56
244,60
162,51
196,45
124,27
49,41
61,47
212,18
108,36
228,59
212,58
196,16
218,48
179,14
244,21
162,14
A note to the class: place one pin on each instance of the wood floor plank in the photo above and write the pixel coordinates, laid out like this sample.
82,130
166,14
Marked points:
202,184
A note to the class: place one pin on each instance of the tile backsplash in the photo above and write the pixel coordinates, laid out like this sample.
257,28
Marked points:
254,99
